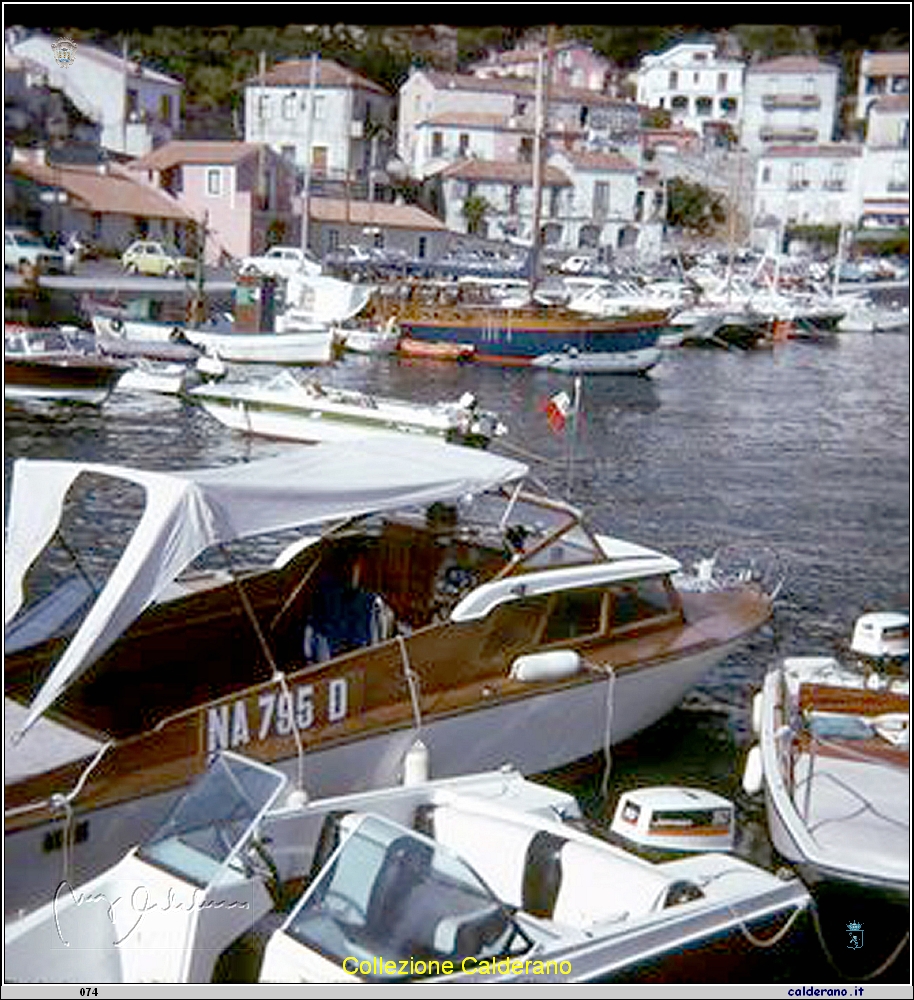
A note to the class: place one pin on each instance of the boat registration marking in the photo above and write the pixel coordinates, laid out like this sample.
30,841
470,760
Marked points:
275,713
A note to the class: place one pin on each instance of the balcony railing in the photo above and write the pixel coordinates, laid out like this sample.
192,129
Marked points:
834,184
788,135
797,185
897,186
785,102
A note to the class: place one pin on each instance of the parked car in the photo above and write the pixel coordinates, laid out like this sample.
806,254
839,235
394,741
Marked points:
152,257
281,262
23,249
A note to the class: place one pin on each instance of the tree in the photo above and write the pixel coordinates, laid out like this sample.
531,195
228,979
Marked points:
693,206
474,211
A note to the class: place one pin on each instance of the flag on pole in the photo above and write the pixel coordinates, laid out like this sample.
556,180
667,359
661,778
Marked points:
557,409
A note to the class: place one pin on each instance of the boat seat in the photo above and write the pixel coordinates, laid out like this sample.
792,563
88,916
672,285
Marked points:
547,875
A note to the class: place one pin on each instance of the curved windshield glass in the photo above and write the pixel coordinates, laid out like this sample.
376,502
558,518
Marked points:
213,819
398,901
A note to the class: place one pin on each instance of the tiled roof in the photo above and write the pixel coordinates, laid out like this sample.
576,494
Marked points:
792,64
297,73
834,150
373,213
517,85
113,192
591,160
495,170
179,151
887,63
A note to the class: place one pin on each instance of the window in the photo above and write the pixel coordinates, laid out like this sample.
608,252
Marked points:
165,108
333,239
464,144
679,103
263,106
554,200
513,199
320,108
289,104
696,77
703,106
437,143
214,181
766,175
288,153
728,106
319,159
641,603
574,615
422,247
674,79
133,103
526,150
797,176
600,199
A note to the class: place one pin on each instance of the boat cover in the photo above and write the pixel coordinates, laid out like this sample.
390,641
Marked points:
328,300
188,511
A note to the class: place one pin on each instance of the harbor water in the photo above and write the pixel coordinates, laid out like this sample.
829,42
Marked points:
797,456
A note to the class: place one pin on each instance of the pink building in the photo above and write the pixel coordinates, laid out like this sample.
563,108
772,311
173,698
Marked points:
244,191
574,64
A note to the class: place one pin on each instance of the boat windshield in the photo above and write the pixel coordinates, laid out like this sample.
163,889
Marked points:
213,820
403,904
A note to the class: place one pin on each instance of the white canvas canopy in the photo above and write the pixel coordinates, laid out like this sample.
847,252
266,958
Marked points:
187,512
326,299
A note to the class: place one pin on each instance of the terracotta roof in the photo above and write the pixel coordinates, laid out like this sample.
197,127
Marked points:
834,150
374,213
888,63
179,151
297,73
496,170
114,192
521,86
792,64
589,160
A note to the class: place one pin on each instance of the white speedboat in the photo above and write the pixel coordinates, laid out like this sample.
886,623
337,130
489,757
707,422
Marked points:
285,407
833,761
439,595
486,877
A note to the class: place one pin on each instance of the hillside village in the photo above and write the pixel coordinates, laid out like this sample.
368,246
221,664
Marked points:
96,143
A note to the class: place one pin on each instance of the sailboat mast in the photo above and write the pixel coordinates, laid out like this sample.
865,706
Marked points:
540,117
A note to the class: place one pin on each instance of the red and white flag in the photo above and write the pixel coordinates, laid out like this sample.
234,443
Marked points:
557,409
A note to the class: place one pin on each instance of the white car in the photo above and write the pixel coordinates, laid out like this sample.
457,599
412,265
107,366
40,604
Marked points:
281,262
23,249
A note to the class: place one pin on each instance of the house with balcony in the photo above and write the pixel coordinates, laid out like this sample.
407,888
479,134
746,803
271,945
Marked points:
884,190
507,190
788,101
610,202
341,133
574,65
434,106
807,186
244,192
408,229
882,74
135,107
700,88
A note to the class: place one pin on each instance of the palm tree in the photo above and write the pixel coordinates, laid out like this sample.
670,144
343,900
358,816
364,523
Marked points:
474,211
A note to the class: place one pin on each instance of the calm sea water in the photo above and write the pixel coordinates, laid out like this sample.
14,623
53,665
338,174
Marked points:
800,453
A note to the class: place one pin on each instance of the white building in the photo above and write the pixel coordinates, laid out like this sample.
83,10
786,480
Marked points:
136,107
882,74
788,101
808,185
700,89
884,191
345,134
574,64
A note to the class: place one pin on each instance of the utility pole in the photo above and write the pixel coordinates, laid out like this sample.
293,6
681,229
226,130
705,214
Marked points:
309,138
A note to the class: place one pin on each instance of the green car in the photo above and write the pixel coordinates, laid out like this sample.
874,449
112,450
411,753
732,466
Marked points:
150,257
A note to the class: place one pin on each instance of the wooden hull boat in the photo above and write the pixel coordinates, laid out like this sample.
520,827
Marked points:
45,365
482,625
516,334
292,410
243,883
833,762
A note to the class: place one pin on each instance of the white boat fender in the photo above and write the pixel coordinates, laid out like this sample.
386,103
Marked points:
415,764
555,665
757,713
752,772
297,799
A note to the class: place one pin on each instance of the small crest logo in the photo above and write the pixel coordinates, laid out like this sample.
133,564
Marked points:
855,930
64,50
